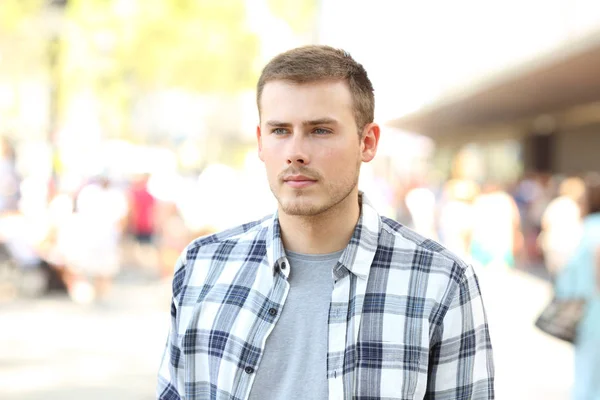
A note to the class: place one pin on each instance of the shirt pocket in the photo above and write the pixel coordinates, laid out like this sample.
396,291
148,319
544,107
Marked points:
213,330
389,370
217,339
214,357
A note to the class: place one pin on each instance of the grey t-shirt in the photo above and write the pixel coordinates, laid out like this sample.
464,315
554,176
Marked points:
294,365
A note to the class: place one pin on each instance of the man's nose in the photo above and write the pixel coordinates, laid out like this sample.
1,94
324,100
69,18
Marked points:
298,151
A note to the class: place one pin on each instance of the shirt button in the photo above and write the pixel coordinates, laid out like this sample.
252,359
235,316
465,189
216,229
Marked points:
273,311
283,265
249,370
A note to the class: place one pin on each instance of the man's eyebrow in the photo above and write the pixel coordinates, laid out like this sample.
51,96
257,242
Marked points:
278,124
319,121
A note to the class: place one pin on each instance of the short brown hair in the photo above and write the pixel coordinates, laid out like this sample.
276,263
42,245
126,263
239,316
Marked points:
317,63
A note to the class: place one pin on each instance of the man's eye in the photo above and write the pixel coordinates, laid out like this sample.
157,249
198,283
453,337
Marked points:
321,131
279,131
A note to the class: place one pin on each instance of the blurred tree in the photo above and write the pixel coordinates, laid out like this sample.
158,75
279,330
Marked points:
123,49
200,45
14,12
300,15
22,56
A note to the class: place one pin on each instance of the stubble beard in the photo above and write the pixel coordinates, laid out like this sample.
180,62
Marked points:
300,202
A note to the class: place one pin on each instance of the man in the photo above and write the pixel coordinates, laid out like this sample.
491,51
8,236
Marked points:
325,299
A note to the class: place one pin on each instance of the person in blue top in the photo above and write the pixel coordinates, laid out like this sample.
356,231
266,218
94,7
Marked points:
580,278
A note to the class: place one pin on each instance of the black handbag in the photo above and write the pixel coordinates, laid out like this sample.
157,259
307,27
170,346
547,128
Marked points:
561,318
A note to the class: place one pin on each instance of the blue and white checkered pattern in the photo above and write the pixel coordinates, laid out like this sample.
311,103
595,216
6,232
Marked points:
406,319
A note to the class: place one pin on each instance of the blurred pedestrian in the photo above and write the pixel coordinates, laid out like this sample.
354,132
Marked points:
10,192
53,248
455,221
544,189
403,215
420,202
496,236
325,298
91,239
142,221
561,224
141,210
173,236
580,278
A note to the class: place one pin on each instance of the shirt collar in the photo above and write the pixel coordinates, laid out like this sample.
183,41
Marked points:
358,255
275,250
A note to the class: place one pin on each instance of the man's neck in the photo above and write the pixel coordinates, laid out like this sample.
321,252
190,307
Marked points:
324,233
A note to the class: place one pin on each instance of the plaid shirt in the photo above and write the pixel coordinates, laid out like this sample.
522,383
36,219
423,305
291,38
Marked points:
406,319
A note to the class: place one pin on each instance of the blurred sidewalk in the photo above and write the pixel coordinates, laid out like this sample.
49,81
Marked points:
53,349
530,365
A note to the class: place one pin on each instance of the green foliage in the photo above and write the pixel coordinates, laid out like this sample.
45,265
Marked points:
299,14
198,45
14,12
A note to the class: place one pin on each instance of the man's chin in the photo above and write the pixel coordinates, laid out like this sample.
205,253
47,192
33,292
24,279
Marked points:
300,207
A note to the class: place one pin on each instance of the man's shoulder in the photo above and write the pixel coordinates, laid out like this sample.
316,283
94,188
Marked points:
244,233
437,271
407,239
197,256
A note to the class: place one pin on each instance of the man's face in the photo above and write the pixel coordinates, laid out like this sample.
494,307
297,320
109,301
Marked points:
310,145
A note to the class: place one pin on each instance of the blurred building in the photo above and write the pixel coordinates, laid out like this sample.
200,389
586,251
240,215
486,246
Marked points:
540,109
550,107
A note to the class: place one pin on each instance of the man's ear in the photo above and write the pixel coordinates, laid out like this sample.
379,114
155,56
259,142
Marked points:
259,141
369,141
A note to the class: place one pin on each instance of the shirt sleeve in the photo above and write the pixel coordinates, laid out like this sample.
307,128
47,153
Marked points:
171,373
460,361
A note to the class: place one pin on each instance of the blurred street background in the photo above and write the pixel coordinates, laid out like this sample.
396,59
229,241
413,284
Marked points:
127,129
